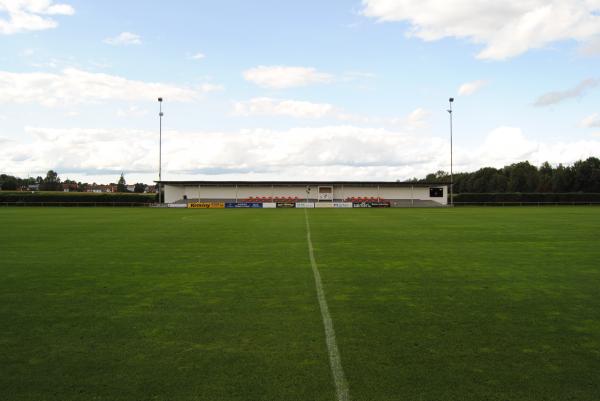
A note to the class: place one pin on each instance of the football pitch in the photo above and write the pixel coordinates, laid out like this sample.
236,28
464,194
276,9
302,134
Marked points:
424,304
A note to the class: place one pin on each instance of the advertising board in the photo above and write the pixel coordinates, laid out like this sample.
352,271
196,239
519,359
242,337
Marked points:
285,205
323,204
269,205
342,204
305,205
243,205
371,204
177,205
206,205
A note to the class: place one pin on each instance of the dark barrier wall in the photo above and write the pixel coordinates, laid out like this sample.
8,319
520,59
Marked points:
76,197
528,197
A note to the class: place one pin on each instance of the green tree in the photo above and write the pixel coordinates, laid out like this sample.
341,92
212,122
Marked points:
51,182
545,178
139,188
586,174
8,182
562,179
121,184
522,177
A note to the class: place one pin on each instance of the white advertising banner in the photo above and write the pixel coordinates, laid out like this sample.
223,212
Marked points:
323,204
342,204
305,205
269,205
179,205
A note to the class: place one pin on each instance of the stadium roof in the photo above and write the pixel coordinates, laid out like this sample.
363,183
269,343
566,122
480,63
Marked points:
304,183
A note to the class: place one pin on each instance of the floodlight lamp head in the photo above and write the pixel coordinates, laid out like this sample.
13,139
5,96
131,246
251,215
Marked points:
451,99
160,99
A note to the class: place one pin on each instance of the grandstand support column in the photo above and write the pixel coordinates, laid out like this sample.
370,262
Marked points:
236,192
412,197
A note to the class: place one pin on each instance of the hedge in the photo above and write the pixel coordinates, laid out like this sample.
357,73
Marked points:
79,197
574,197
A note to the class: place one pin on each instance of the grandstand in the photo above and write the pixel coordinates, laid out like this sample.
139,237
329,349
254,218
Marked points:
315,193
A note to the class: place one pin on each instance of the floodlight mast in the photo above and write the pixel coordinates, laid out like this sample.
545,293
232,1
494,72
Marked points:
450,101
160,116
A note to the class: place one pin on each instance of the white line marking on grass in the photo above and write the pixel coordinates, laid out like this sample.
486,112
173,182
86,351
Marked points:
341,386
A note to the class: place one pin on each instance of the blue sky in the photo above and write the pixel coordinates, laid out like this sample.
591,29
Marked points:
284,90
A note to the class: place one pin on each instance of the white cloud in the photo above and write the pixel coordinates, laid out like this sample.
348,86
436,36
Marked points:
505,28
282,77
291,108
328,152
73,86
266,106
197,56
132,111
30,15
591,121
208,87
591,48
470,88
27,52
324,152
124,39
507,145
550,98
414,120
417,118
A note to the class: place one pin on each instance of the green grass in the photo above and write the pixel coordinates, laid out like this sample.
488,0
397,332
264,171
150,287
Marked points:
427,304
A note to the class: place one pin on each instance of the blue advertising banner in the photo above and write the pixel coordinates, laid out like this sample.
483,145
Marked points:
243,205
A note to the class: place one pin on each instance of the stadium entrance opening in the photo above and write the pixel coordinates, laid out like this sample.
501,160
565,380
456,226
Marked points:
325,194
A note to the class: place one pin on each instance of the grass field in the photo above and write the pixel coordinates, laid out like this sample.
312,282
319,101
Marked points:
427,304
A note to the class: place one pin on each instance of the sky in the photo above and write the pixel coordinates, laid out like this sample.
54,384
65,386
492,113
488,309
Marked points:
306,90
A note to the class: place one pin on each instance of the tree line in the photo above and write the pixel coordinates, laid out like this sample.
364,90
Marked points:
52,182
583,177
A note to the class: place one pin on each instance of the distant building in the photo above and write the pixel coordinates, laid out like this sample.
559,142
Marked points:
101,188
70,187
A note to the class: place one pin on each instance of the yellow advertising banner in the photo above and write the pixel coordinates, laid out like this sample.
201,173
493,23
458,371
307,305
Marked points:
206,205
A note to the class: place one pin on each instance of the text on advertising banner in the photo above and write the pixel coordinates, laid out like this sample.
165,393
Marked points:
243,205
342,204
206,205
